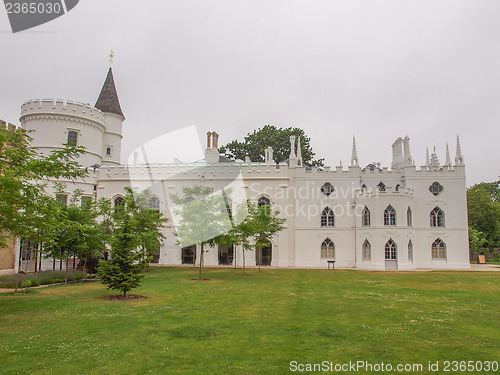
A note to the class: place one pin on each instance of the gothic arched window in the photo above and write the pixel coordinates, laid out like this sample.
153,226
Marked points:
328,249
438,249
367,250
391,250
390,216
410,251
118,203
366,217
381,186
409,218
154,204
327,218
437,217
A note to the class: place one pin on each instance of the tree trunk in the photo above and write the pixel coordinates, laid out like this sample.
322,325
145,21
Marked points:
66,273
260,257
17,282
124,294
243,260
201,261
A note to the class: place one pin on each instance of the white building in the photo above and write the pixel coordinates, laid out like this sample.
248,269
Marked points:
369,218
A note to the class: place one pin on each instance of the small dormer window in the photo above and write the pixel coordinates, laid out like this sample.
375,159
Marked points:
72,138
108,151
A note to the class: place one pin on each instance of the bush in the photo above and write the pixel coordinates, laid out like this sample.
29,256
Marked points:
41,278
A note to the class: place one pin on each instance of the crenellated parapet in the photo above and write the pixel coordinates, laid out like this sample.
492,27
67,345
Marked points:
8,126
50,109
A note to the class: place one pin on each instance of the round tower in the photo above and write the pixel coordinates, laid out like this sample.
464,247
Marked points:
109,104
56,122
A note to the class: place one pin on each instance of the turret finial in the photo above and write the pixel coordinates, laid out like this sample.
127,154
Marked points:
354,157
459,159
448,159
111,55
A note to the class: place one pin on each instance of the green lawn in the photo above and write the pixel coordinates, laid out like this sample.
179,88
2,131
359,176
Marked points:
252,325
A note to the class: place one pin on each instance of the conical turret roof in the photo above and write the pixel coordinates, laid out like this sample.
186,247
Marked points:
108,98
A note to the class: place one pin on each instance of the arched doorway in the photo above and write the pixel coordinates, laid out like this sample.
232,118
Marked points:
189,254
391,255
226,254
264,255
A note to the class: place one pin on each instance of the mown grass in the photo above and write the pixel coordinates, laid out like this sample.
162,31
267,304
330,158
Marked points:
252,325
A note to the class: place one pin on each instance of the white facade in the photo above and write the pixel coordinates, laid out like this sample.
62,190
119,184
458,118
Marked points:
409,226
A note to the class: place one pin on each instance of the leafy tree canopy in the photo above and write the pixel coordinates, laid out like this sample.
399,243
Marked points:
255,143
484,214
26,210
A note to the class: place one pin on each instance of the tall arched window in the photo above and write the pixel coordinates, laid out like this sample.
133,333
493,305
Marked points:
262,201
437,217
328,249
327,218
409,219
118,203
438,249
367,250
366,217
391,250
410,251
154,204
72,138
390,216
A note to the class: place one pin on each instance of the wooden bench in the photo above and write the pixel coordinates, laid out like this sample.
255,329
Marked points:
332,262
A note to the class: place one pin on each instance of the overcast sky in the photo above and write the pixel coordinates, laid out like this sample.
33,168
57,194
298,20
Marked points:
378,69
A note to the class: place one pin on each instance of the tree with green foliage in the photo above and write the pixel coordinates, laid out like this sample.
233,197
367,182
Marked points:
477,239
255,143
266,223
24,202
202,218
256,226
146,220
77,232
123,271
484,214
26,209
133,229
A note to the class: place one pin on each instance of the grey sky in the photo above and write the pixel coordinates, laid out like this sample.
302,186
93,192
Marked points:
376,69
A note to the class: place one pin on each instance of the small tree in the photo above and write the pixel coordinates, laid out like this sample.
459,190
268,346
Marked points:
266,223
122,271
132,229
77,231
203,217
257,225
146,221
